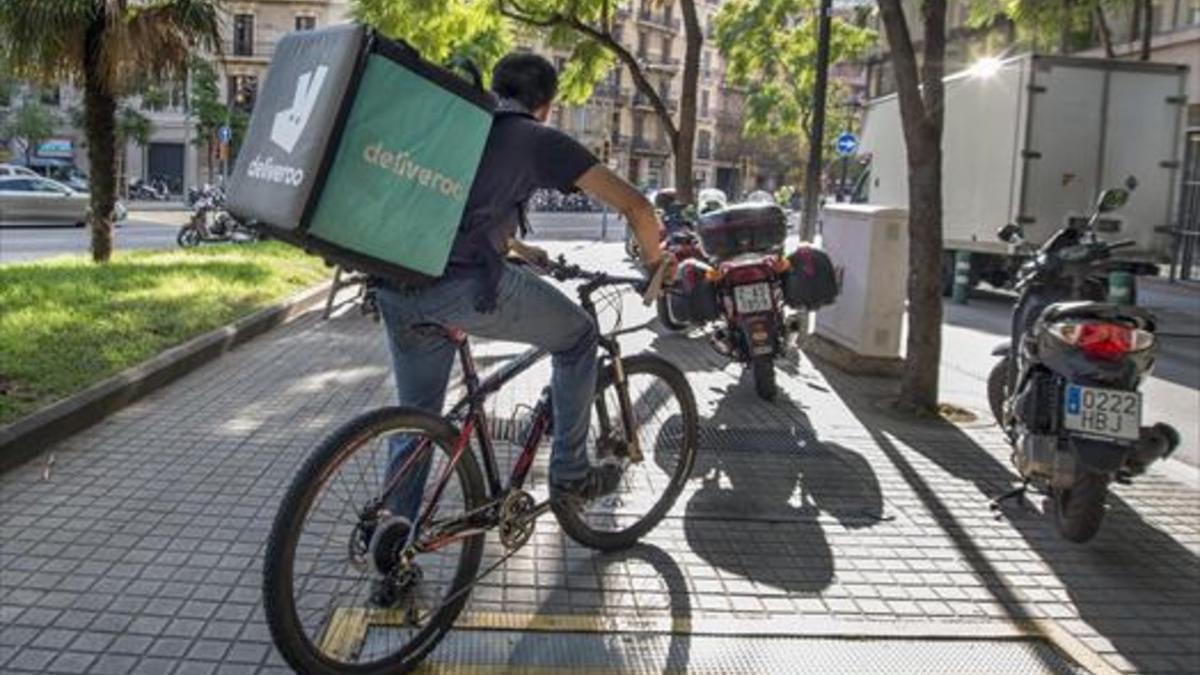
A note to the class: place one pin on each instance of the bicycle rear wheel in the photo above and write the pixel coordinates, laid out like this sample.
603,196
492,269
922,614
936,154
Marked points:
664,416
333,545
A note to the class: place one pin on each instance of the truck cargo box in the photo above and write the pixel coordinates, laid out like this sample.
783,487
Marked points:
1034,140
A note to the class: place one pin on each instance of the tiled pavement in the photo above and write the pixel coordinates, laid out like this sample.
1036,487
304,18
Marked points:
141,550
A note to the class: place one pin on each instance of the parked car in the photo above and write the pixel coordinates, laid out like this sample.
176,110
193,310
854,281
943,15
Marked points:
33,200
7,170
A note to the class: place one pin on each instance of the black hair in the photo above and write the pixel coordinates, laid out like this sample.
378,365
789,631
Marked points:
527,78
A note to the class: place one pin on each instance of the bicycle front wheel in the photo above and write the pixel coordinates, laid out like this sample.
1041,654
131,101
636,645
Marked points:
342,590
664,420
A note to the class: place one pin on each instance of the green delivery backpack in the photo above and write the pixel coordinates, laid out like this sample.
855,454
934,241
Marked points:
361,151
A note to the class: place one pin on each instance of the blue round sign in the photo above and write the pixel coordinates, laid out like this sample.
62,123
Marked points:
224,134
847,143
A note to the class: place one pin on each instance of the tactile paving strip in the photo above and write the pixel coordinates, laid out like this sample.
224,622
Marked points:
475,651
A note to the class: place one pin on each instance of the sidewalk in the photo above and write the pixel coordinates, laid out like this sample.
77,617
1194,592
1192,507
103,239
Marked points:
142,550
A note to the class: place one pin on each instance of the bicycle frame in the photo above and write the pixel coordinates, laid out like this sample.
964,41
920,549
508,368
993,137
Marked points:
468,414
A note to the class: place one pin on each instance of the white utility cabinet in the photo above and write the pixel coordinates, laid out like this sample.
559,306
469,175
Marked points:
869,247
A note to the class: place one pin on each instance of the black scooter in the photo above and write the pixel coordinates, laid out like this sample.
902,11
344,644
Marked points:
1066,388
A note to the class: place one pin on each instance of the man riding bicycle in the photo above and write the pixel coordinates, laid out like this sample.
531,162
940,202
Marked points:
485,296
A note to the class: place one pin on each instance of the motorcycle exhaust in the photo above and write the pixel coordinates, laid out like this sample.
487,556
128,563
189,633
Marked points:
1154,443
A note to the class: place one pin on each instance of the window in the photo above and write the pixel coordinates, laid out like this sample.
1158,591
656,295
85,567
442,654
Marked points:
707,61
306,22
243,35
50,96
18,185
704,103
704,145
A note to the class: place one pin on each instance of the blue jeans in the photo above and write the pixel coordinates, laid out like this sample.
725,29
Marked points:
529,310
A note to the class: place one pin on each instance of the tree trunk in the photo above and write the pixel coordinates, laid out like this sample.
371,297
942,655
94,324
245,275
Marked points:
100,115
921,111
1147,28
1105,32
684,142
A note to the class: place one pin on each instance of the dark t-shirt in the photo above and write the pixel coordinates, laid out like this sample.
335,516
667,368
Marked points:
521,156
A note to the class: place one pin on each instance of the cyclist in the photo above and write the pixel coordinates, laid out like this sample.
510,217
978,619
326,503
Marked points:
483,295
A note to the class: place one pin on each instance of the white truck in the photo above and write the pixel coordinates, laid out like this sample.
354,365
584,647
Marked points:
1033,140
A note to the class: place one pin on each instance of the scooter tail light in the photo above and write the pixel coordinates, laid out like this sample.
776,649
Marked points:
782,265
712,274
1103,341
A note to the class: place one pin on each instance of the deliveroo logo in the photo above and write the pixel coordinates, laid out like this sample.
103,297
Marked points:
290,123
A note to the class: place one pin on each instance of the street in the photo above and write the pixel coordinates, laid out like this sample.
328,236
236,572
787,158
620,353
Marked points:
142,230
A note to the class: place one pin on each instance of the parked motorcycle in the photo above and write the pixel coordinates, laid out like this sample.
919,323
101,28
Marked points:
211,223
144,191
1065,390
742,281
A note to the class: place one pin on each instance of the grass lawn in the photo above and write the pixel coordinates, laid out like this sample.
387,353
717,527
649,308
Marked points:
66,323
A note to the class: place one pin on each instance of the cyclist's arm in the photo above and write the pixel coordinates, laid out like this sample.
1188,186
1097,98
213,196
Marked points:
605,185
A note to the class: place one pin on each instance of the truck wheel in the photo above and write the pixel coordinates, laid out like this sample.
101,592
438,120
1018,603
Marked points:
997,389
764,377
1079,510
947,273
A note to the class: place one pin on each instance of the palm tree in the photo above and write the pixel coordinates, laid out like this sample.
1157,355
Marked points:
109,46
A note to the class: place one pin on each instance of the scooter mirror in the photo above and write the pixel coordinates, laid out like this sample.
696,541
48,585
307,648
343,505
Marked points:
1111,200
1010,233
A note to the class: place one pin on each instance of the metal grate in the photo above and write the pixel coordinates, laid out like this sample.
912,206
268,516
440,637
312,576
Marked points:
479,651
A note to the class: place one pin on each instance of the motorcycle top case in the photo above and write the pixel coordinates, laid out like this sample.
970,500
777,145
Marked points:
361,151
743,228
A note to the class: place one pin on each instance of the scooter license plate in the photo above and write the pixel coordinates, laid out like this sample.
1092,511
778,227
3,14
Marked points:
752,298
1103,412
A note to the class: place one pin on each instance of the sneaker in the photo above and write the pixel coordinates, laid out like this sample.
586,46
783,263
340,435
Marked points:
600,480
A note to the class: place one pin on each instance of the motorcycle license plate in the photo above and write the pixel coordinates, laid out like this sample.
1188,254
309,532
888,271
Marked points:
1103,412
752,298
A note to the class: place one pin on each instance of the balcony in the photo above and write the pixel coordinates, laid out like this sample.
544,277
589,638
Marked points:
610,92
660,21
640,100
649,146
259,51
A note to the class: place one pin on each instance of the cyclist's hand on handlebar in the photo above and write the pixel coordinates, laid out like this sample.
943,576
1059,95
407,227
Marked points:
531,254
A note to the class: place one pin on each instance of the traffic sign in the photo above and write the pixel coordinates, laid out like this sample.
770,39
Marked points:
225,134
847,143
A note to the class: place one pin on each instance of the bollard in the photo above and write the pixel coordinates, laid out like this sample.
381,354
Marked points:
1120,288
962,276
604,224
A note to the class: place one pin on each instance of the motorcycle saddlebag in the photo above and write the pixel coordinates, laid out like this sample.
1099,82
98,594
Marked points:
743,228
693,298
362,152
811,281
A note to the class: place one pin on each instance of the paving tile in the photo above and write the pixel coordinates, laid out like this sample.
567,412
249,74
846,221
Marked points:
820,505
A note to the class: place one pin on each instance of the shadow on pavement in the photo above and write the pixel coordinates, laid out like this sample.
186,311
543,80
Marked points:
763,491
678,607
1134,585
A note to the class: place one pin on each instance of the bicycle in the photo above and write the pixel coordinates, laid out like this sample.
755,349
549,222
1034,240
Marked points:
433,561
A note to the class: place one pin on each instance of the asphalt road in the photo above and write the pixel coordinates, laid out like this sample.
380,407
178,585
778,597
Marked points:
141,230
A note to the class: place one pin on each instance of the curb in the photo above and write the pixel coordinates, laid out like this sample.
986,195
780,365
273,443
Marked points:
30,435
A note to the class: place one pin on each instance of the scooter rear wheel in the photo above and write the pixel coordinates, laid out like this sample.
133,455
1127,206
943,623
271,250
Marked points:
1079,511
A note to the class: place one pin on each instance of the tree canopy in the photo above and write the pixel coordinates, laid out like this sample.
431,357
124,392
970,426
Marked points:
770,49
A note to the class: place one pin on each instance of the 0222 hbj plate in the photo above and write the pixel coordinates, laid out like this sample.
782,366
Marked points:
1102,412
